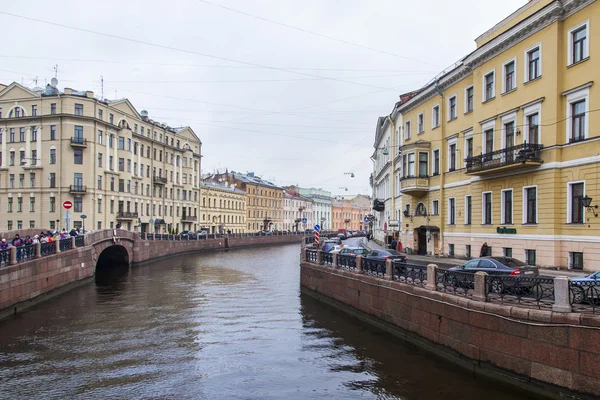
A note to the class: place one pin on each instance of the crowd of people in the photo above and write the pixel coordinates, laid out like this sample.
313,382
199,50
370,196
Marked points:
43,237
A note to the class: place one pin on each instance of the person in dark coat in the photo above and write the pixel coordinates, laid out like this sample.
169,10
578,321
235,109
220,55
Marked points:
484,250
393,244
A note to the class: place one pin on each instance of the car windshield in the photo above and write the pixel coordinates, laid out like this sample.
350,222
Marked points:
510,262
390,252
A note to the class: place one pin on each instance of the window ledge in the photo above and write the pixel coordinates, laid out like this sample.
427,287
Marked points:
578,62
532,80
507,224
487,224
576,224
420,133
468,112
467,224
509,91
530,224
452,119
488,100
435,127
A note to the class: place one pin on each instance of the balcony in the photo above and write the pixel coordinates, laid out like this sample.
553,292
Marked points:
160,180
189,218
126,215
521,156
414,185
77,189
78,142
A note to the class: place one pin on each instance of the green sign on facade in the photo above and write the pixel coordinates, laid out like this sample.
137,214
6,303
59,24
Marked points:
508,231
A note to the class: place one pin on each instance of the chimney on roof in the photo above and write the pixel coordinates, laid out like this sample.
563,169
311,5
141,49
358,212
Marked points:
89,94
144,115
68,90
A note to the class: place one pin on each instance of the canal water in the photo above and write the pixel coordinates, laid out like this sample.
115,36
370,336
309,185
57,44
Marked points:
223,325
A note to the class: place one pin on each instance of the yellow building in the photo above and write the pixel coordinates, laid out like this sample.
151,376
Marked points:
223,208
503,148
115,164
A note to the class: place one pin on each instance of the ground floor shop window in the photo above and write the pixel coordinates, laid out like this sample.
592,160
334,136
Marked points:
450,249
507,252
530,257
576,260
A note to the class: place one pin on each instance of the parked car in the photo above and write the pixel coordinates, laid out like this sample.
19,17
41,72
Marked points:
189,235
352,251
382,255
586,288
328,245
202,234
336,248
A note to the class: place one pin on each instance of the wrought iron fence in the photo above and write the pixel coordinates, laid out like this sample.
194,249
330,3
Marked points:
346,262
585,296
455,282
150,236
25,253
65,244
411,274
311,256
327,258
4,257
79,241
373,267
48,248
527,291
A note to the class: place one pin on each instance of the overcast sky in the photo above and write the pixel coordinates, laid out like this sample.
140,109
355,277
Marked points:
282,110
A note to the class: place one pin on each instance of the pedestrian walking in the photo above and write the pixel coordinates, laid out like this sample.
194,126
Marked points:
399,246
484,250
394,244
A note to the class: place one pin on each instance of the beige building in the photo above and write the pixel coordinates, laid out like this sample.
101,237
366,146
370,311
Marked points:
223,208
114,164
295,208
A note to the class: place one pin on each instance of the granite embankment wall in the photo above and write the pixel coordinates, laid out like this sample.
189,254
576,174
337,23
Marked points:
23,283
555,353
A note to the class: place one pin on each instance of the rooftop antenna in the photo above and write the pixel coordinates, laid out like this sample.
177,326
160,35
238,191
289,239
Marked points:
56,71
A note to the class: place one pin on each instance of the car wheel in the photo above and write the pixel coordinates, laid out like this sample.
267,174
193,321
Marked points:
496,286
577,295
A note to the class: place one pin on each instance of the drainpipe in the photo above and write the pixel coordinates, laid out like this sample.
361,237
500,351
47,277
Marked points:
442,166
393,164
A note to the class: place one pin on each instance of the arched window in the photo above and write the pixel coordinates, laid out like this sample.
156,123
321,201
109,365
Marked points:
420,210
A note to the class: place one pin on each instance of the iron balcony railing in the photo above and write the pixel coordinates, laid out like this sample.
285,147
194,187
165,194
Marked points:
126,215
77,189
512,155
78,141
189,218
161,180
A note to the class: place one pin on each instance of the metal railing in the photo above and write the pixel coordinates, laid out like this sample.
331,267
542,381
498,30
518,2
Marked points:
65,244
411,274
373,267
311,256
4,257
327,259
499,158
127,215
48,248
160,179
346,262
584,296
455,282
529,291
78,141
77,189
25,253
79,241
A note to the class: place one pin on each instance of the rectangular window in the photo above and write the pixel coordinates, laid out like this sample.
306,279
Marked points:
52,132
32,204
33,110
121,185
128,165
52,179
576,260
487,208
507,207
78,134
489,92
507,251
532,128
468,250
489,140
100,112
121,164
53,108
577,121
411,165
407,130
579,44
78,156
436,207
79,109
404,166
423,165
110,141
32,179
12,135
509,76
52,156
10,204
21,180
19,204
534,64
452,211
99,206
530,205
121,143
99,137
469,99
77,204
435,117
34,134
530,257
452,108
421,124
21,134
112,206
469,147
468,209
100,182
576,210
100,164
22,159
111,118
451,249
452,157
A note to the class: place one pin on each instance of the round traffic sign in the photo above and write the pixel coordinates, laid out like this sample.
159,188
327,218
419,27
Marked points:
67,205
83,216
317,227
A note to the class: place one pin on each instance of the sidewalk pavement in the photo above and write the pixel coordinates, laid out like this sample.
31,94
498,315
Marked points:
371,245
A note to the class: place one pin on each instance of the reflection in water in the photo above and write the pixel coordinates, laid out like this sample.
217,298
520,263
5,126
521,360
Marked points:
214,326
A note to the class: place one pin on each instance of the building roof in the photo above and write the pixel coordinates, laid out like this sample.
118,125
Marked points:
211,185
254,180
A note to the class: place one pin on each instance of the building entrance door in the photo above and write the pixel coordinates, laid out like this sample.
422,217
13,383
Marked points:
422,241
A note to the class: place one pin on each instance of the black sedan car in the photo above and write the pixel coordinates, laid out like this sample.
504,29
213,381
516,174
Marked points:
382,255
498,266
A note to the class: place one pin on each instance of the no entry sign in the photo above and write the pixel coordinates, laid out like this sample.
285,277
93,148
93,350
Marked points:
67,205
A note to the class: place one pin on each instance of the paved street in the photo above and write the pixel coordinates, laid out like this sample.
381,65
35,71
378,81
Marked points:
445,263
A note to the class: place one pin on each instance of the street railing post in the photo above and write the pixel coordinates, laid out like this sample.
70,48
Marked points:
57,243
389,269
359,259
334,258
480,282
38,250
562,298
319,257
13,255
431,272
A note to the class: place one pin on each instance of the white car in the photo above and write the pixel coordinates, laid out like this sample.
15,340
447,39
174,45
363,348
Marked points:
336,249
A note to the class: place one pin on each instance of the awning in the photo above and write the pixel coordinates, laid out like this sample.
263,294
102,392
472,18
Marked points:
159,222
429,228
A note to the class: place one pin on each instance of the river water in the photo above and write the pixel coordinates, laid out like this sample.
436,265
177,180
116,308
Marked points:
222,325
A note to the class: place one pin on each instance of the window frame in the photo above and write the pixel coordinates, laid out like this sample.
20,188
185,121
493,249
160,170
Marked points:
450,106
472,97
434,114
514,77
468,210
570,43
407,132
484,211
435,207
418,170
468,135
420,123
526,64
525,209
570,203
503,209
452,211
572,98
452,142
433,162
484,97
528,112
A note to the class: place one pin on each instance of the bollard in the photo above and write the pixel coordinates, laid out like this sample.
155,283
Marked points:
389,269
319,257
72,242
38,250
431,278
359,264
562,298
479,292
13,255
334,261
57,243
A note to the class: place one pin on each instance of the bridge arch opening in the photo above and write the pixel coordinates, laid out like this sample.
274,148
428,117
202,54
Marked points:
112,265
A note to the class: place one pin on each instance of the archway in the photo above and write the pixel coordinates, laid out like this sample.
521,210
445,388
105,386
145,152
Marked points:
112,266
